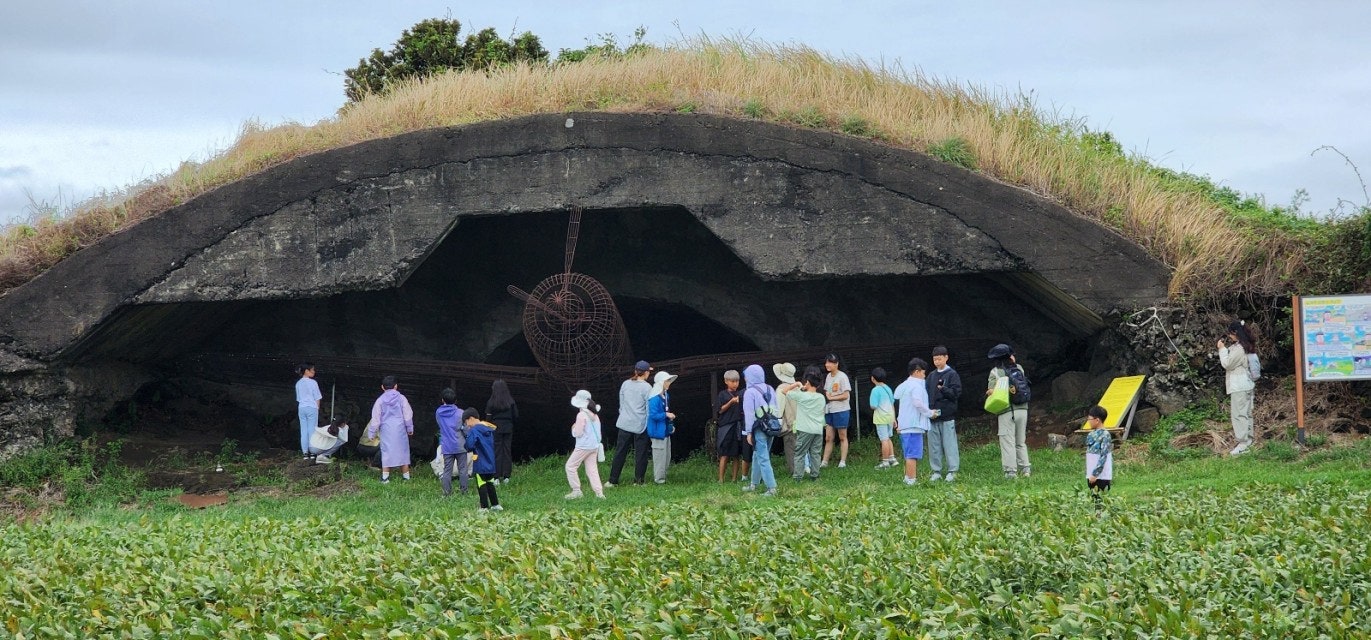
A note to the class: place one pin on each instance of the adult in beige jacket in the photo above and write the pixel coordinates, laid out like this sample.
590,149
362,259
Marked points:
1238,383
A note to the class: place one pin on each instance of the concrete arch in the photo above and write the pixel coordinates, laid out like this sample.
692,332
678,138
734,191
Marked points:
792,204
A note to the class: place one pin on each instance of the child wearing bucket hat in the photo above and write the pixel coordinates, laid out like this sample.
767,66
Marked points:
586,430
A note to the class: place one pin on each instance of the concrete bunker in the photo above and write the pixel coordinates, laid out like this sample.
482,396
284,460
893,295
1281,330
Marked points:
716,236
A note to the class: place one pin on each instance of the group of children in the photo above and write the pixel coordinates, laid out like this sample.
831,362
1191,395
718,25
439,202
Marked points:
813,410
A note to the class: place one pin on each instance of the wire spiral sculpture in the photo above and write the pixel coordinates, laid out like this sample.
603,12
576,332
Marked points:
572,325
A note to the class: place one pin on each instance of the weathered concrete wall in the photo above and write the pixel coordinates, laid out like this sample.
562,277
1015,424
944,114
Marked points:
796,213
791,203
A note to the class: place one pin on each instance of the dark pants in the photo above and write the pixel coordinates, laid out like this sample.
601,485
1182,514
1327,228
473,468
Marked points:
486,489
641,444
504,453
371,454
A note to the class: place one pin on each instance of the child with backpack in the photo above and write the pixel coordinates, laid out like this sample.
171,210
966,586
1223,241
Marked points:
1099,455
586,431
481,442
452,443
1013,423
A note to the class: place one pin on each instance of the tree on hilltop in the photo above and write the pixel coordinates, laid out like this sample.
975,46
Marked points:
432,46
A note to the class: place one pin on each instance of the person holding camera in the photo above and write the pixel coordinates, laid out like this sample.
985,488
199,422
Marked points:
1233,350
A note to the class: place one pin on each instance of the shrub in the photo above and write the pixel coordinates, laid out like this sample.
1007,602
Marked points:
954,150
753,109
854,125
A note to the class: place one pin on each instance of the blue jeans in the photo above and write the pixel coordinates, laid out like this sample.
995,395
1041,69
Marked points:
761,459
309,419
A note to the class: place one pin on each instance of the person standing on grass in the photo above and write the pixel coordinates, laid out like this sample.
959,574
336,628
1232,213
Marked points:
308,398
759,394
838,413
882,403
660,425
728,431
452,443
1099,455
809,424
944,388
586,431
785,373
1238,382
481,441
501,411
632,424
1013,424
912,421
393,419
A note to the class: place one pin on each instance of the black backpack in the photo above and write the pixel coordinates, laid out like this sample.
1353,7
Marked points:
1019,382
768,421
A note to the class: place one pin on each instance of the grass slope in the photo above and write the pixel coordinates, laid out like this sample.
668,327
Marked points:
1217,242
1246,547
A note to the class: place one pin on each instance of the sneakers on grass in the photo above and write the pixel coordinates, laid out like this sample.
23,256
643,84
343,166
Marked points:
909,482
574,495
842,464
749,487
770,492
497,508
935,477
950,477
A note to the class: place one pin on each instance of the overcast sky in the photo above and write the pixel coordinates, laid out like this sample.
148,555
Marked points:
96,95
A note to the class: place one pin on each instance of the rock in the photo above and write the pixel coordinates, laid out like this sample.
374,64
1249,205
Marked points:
1057,441
1146,419
1070,387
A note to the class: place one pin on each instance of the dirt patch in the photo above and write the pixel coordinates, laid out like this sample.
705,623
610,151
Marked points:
24,505
200,501
344,488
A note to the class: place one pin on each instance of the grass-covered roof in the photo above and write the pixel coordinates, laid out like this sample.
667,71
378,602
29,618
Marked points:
1218,244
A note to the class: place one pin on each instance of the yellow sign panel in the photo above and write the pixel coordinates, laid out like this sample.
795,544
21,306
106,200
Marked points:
1117,399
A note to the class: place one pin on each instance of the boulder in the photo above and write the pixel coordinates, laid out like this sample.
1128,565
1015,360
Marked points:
1069,388
1146,419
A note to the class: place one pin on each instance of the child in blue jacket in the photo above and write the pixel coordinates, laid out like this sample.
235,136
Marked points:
481,443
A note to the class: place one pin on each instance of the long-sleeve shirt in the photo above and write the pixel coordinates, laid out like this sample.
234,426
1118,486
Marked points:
586,430
633,396
1099,458
1234,361
914,412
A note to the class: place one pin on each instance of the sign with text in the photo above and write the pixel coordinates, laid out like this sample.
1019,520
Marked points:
1336,331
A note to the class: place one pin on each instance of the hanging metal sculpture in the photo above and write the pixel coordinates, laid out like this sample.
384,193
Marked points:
572,325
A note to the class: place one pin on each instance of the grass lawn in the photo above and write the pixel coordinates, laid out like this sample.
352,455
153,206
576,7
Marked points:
1258,546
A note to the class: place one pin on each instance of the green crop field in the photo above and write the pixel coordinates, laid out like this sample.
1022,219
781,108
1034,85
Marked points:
1259,546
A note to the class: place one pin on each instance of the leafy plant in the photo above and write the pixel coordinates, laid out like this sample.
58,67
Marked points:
753,108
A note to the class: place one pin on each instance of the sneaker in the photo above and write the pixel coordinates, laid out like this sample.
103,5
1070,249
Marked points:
883,465
770,492
1026,472
808,470
323,460
749,487
406,477
1010,475
935,477
950,477
600,496
385,480
842,464
660,481
574,495
305,457
610,485
910,482
823,464
497,508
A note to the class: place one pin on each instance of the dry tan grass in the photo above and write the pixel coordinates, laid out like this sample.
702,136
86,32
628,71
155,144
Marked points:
1012,142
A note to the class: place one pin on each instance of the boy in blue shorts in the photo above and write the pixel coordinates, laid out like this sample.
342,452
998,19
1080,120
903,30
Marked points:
912,417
